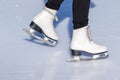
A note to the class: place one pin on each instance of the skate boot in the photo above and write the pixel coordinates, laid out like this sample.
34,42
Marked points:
82,43
43,24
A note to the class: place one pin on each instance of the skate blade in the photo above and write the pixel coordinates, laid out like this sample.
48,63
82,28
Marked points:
45,40
94,57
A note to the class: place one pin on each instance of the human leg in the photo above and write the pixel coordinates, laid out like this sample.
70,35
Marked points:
54,4
81,39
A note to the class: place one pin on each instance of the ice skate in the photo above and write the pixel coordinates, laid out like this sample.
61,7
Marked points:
43,24
82,43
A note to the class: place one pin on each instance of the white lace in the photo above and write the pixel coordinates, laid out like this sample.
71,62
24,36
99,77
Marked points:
90,37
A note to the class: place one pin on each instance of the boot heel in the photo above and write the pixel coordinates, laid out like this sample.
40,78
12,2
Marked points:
75,53
75,56
36,27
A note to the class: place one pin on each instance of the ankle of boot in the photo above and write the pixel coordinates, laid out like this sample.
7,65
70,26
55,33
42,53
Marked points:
52,11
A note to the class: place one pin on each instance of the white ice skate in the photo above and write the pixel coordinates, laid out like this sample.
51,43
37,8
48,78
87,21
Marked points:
82,42
43,24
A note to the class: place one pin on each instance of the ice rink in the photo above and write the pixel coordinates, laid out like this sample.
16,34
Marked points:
24,58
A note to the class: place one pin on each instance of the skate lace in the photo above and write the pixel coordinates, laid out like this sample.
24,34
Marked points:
89,35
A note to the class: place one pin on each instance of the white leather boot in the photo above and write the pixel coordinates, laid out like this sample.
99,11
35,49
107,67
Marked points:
82,42
44,20
43,24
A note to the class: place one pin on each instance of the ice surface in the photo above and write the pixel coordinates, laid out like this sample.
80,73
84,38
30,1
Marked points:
21,58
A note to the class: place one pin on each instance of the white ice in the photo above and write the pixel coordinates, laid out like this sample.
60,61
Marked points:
21,58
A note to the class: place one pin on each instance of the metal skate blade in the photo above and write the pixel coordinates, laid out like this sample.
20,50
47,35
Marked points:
94,57
27,31
44,39
100,56
81,59
74,59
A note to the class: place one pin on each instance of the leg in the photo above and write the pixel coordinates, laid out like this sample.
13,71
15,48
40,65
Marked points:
54,4
81,39
80,13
